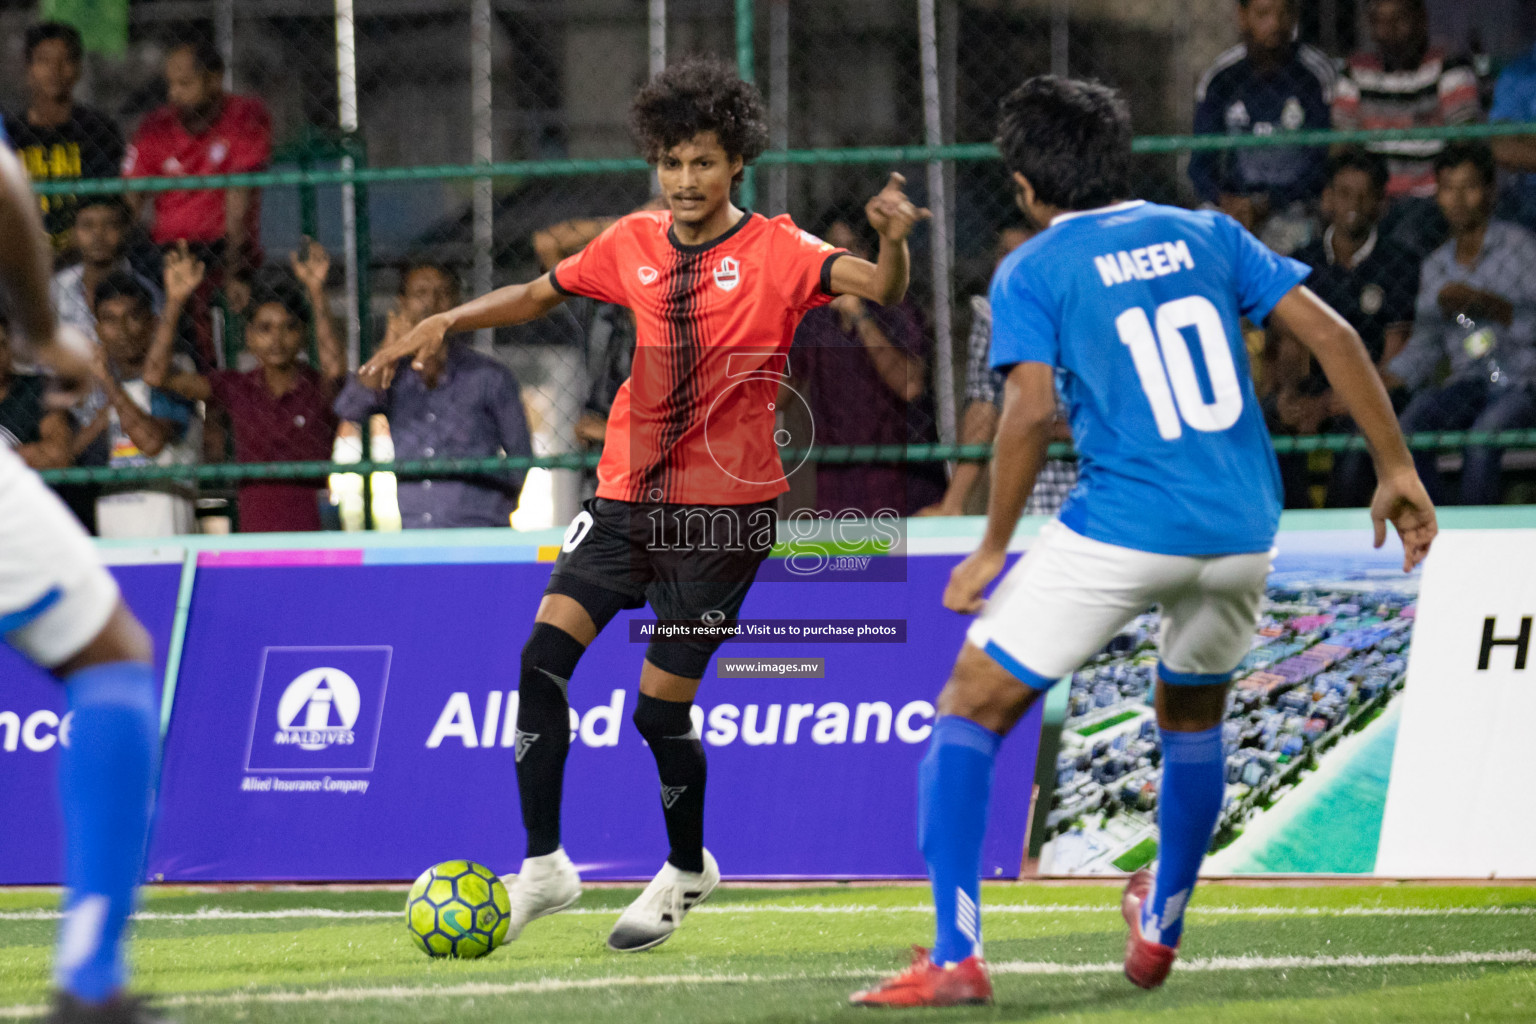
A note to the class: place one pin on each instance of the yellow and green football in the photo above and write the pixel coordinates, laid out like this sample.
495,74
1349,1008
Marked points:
457,908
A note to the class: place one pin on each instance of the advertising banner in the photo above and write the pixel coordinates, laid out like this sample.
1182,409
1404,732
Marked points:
346,717
350,714
1309,732
34,721
1456,807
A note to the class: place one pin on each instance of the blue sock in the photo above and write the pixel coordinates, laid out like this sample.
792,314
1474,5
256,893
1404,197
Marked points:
107,778
954,784
1194,783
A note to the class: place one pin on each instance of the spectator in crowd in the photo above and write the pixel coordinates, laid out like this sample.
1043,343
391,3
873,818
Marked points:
863,370
1514,100
100,239
143,425
40,435
1406,83
607,331
281,409
57,138
1476,308
1371,282
1266,85
462,404
984,403
204,131
426,288
610,351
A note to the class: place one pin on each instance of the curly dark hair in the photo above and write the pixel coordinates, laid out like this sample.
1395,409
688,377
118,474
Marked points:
699,94
1070,138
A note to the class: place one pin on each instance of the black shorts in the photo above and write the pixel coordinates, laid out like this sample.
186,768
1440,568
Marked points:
688,562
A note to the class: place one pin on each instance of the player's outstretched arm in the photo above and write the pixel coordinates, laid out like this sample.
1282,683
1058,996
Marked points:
25,261
24,253
891,214
1400,495
1023,437
514,304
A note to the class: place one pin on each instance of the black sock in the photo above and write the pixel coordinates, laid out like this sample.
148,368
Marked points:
544,732
668,727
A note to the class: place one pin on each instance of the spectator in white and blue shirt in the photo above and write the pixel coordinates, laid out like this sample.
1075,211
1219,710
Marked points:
100,235
1476,309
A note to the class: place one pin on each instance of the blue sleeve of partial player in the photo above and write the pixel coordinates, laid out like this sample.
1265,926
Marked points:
1261,275
1024,328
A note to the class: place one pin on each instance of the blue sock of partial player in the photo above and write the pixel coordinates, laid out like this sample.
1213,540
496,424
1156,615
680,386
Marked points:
107,780
954,784
1194,781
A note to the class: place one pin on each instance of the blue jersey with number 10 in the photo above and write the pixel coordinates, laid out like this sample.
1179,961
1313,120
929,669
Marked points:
1138,306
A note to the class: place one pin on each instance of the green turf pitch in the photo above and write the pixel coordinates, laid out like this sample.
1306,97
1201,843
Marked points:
1255,955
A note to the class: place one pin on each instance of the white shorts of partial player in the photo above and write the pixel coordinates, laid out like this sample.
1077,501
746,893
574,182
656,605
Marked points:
54,594
1069,596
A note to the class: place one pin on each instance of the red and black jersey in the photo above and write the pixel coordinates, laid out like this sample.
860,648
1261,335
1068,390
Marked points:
694,423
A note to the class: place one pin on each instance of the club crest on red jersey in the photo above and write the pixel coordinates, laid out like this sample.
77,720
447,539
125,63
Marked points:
727,274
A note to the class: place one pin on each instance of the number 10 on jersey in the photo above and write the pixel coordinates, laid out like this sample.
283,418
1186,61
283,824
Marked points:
1166,367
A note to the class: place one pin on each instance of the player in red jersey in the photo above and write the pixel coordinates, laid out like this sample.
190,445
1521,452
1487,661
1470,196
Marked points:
684,510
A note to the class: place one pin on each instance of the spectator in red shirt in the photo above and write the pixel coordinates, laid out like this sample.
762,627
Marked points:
203,131
281,410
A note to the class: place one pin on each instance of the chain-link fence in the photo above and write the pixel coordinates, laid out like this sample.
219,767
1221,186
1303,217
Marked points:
436,149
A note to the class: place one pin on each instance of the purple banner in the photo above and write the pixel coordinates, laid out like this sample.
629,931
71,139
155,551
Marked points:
33,722
356,722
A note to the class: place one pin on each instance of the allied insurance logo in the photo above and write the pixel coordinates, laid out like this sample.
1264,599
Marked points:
318,709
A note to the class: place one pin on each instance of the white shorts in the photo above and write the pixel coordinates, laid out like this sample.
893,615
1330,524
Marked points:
1069,595
54,594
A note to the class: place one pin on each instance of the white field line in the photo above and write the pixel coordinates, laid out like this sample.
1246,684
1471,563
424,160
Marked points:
1034,968
1003,909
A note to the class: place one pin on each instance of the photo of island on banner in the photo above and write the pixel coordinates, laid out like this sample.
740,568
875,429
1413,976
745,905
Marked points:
1309,732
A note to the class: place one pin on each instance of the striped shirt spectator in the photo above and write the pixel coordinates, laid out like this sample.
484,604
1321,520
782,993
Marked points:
1406,83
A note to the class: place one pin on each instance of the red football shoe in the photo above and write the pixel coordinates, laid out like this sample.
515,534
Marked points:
1147,963
925,983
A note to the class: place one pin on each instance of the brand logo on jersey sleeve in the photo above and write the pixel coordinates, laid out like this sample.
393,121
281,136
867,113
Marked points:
648,275
816,243
727,274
